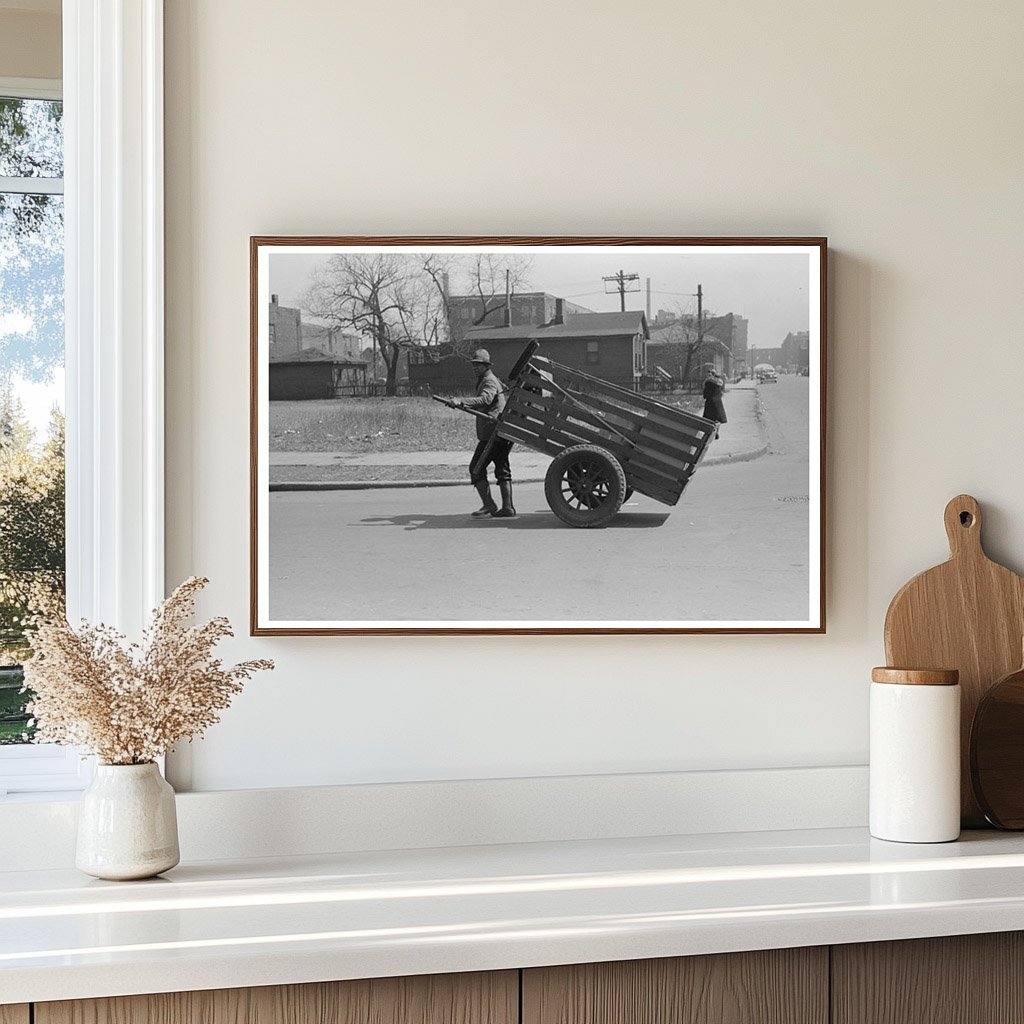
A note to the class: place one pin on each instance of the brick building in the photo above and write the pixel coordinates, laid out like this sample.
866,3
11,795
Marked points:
290,335
724,345
771,356
526,308
795,351
446,367
332,341
285,329
612,346
738,343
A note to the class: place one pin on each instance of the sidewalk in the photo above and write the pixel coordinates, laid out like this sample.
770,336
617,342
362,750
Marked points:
742,439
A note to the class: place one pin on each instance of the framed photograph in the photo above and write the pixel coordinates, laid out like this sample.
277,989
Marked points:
537,435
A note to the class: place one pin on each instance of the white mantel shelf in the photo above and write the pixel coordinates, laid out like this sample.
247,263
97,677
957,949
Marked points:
225,924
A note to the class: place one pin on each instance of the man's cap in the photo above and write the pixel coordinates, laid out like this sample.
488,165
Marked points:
481,355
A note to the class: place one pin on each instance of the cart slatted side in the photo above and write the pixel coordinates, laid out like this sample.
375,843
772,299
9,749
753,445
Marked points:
555,407
639,406
661,474
568,428
619,427
640,477
567,377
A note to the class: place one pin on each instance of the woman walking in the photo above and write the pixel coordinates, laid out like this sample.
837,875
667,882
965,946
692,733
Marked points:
714,407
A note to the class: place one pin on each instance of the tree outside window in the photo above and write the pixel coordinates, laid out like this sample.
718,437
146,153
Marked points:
31,379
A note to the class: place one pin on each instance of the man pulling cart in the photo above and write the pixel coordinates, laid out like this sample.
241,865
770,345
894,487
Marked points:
490,402
605,442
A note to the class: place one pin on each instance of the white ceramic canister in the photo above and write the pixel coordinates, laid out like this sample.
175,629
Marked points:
915,755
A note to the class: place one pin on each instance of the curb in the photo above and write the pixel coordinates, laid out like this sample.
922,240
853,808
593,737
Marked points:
748,456
373,485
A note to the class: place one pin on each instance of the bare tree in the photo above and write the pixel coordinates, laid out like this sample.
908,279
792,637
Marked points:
420,311
439,268
487,282
483,275
684,336
384,296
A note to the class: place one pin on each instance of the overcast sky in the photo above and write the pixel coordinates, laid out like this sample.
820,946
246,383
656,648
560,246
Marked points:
770,289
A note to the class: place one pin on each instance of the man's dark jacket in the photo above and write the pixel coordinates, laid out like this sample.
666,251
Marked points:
490,399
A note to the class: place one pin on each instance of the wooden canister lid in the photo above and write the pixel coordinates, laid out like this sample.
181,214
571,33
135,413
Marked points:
916,676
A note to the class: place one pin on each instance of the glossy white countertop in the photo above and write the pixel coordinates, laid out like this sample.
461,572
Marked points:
225,924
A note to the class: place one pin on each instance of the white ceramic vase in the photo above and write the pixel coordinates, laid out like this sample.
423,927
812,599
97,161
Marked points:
127,825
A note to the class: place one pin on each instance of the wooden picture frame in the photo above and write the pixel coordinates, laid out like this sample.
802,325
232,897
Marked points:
378,540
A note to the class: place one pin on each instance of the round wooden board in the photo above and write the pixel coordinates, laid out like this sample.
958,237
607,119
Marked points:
997,752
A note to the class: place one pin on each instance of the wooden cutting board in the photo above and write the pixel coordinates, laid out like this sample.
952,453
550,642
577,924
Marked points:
967,614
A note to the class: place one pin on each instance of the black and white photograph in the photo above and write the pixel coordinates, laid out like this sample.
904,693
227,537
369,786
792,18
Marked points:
537,435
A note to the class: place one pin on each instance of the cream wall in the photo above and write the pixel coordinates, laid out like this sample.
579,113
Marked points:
30,43
894,129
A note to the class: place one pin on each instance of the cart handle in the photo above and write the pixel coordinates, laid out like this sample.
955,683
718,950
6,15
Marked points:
461,408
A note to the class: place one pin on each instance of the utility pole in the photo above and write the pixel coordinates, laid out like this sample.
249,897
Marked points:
620,281
700,318
693,349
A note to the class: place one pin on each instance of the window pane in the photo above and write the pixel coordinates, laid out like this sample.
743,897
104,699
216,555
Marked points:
31,289
31,431
14,726
31,138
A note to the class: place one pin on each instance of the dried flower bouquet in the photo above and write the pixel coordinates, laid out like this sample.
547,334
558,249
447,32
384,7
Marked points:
130,703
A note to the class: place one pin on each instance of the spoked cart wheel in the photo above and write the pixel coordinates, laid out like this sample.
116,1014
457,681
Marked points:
585,486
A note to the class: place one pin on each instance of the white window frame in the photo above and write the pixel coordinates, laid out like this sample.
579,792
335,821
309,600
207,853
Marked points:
114,327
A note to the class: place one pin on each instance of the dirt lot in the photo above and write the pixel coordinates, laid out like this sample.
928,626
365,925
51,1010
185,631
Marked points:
382,425
369,425
351,474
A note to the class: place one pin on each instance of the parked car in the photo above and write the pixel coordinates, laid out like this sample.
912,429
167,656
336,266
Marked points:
766,373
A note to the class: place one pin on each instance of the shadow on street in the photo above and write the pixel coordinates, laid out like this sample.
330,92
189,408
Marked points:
524,521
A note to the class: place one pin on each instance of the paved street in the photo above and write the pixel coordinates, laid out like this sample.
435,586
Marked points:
734,548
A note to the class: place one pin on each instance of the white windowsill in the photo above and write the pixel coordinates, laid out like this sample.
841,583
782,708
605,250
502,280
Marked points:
43,771
40,797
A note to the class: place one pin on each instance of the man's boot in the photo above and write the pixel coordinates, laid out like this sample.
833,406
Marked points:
507,510
483,488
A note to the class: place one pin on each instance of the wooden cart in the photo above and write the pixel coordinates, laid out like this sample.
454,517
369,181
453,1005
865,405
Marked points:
605,441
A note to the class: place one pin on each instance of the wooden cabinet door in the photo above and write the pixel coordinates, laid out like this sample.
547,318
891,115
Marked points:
14,1014
963,979
491,998
778,986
